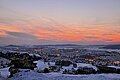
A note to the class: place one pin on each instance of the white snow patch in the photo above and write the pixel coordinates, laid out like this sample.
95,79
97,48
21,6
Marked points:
41,65
86,65
4,72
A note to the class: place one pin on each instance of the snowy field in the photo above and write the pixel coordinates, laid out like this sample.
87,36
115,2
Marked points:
58,76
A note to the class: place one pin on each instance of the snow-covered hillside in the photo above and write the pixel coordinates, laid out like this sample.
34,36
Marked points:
58,76
26,74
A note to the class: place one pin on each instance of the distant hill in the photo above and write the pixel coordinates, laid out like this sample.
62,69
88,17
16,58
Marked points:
12,46
64,45
59,45
112,46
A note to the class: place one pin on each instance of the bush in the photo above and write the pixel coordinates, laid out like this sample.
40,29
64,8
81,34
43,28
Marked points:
63,63
46,70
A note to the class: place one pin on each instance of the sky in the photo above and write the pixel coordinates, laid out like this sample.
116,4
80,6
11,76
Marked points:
86,22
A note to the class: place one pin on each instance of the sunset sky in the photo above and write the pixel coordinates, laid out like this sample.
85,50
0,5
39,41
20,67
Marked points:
59,22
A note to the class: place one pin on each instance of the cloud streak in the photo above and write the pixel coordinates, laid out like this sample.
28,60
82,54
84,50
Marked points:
44,30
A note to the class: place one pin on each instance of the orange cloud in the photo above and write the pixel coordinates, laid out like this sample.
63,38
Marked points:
77,34
51,30
10,28
2,33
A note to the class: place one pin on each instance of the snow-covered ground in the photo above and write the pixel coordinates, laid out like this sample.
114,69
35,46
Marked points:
27,74
4,72
58,76
86,65
41,65
2,78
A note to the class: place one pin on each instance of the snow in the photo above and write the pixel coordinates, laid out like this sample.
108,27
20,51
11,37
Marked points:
80,65
37,55
52,63
4,72
41,65
86,65
23,52
1,78
27,74
32,75
67,67
8,51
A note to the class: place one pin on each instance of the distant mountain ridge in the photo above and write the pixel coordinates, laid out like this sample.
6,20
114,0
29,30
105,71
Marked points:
111,46
117,46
